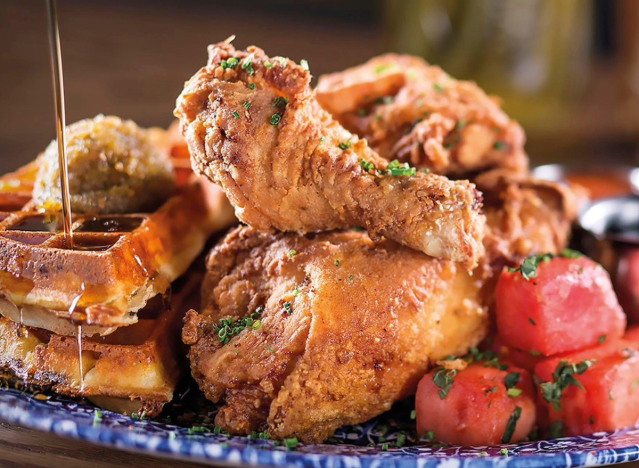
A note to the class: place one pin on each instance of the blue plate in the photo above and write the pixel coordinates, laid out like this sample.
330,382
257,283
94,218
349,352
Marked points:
352,447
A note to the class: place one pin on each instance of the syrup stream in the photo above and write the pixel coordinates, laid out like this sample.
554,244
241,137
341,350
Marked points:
60,119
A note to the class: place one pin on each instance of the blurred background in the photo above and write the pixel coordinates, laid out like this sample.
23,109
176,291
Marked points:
567,69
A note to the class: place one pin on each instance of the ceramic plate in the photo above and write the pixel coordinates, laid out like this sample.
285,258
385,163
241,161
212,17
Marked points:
185,430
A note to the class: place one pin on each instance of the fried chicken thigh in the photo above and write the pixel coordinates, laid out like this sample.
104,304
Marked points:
414,112
347,327
253,125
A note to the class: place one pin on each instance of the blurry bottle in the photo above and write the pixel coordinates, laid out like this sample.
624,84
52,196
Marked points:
535,54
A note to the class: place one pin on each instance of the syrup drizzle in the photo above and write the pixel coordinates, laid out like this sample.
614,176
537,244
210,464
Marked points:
60,119
78,332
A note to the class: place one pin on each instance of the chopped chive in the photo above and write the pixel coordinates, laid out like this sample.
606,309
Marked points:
275,118
235,114
246,105
251,85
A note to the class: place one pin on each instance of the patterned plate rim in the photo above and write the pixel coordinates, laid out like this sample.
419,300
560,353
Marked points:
197,449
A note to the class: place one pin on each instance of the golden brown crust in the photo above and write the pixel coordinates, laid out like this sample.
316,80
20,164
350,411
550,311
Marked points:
414,112
101,287
134,369
294,176
366,320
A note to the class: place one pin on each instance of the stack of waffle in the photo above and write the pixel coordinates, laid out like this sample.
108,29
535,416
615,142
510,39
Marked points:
109,299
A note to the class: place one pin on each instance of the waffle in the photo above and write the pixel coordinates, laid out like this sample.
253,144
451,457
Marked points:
133,370
118,262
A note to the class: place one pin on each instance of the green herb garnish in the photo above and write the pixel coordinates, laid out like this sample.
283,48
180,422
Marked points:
304,64
562,377
511,425
227,328
287,308
246,65
275,118
499,145
443,378
345,145
246,105
235,114
251,85
280,101
367,166
291,443
439,88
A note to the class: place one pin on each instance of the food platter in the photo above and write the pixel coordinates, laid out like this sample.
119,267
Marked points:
69,418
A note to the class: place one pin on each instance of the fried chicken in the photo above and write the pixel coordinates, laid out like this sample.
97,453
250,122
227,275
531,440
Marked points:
347,326
525,216
416,113
253,125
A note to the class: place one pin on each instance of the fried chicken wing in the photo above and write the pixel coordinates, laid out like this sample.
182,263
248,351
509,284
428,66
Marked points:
414,112
253,125
347,326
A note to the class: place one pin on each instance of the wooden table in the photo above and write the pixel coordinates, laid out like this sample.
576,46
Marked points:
22,447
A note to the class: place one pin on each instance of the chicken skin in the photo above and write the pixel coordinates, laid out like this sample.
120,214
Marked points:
347,326
253,126
416,113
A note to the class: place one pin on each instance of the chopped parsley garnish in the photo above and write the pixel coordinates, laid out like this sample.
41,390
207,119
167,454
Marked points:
528,267
291,253
413,415
263,435
423,170
511,379
251,85
275,118
304,64
235,114
511,425
439,88
503,452
246,105
291,443
361,112
443,378
601,339
270,349
429,436
246,65
532,322
384,447
282,61
280,102
350,277
268,64
499,145
367,166
401,439
97,417
562,377
556,429
336,262
322,138
296,292
490,390
287,308
227,328
345,145
461,123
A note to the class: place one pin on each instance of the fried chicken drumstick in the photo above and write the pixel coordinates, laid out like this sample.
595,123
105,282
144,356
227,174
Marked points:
414,112
347,327
253,125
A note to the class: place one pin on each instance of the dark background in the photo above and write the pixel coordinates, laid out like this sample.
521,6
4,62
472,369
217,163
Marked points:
131,57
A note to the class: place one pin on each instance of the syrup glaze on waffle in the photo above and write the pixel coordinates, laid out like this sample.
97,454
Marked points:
134,369
118,261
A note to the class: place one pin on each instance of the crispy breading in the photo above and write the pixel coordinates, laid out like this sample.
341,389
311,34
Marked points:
253,125
414,112
348,326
